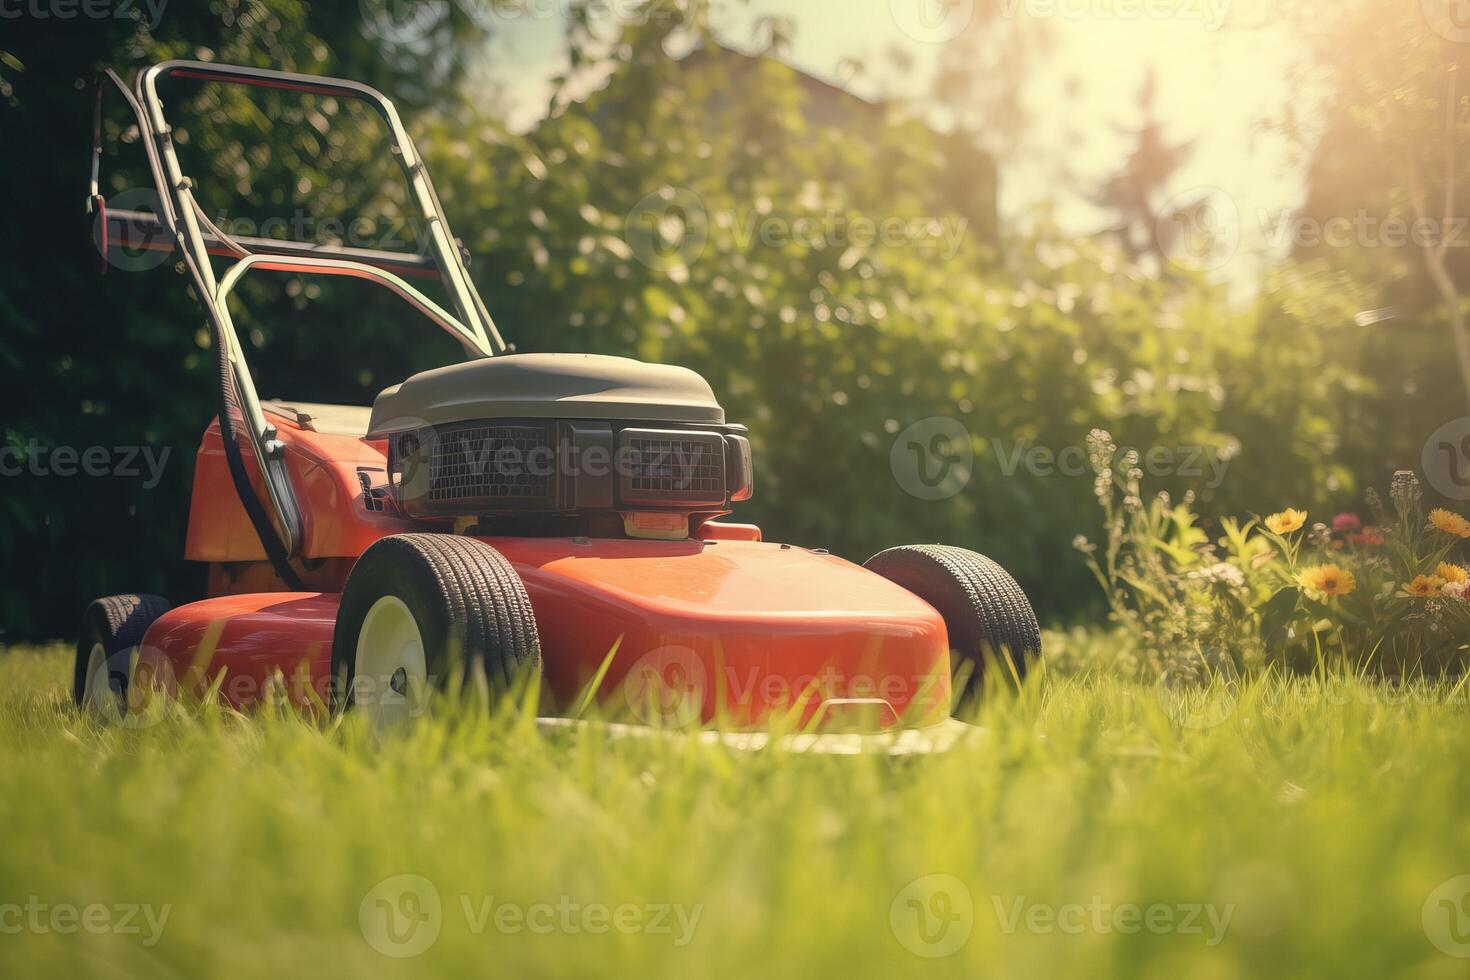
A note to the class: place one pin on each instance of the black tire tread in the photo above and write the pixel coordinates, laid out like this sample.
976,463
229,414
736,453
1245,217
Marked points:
968,586
482,599
123,621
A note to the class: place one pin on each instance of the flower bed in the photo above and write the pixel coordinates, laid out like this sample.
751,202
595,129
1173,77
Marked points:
1385,592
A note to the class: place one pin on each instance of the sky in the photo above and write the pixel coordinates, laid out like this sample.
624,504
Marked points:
1222,69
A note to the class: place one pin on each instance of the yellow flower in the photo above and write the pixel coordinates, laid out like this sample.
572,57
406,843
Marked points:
1451,573
1289,520
1424,587
1449,522
1327,579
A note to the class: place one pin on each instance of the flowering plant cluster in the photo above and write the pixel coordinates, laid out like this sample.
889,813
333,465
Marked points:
1386,591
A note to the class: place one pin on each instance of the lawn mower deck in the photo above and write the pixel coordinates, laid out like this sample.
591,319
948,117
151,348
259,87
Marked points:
543,518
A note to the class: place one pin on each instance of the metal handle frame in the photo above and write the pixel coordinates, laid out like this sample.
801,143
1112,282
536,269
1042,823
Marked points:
180,214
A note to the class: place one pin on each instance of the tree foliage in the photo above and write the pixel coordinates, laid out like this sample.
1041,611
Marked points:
1390,152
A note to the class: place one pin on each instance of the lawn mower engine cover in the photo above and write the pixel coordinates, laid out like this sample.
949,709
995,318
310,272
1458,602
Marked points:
581,435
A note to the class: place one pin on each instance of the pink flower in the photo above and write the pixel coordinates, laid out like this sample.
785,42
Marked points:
1456,590
1346,522
1370,537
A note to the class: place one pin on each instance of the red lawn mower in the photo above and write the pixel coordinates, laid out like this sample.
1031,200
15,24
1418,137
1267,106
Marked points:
554,518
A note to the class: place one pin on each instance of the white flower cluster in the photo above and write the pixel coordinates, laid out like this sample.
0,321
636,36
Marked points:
1220,573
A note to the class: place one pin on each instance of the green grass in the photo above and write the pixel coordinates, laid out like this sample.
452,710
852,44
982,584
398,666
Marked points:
1318,815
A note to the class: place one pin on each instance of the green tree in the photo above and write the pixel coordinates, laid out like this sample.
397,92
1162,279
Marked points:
1391,143
1134,194
116,362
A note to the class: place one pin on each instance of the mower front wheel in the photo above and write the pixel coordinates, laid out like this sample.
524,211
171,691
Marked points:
987,615
427,611
112,630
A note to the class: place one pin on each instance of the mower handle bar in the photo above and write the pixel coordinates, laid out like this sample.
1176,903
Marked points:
446,251
182,220
144,230
307,265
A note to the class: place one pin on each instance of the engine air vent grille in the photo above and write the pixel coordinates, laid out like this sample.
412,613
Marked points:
494,462
476,466
558,466
673,467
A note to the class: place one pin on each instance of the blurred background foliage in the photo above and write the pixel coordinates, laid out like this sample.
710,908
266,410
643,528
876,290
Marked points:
623,224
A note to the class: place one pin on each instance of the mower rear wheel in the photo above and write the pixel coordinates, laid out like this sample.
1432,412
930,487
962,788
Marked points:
986,613
421,609
112,630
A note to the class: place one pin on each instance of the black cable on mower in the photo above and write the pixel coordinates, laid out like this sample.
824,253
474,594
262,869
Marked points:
264,530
